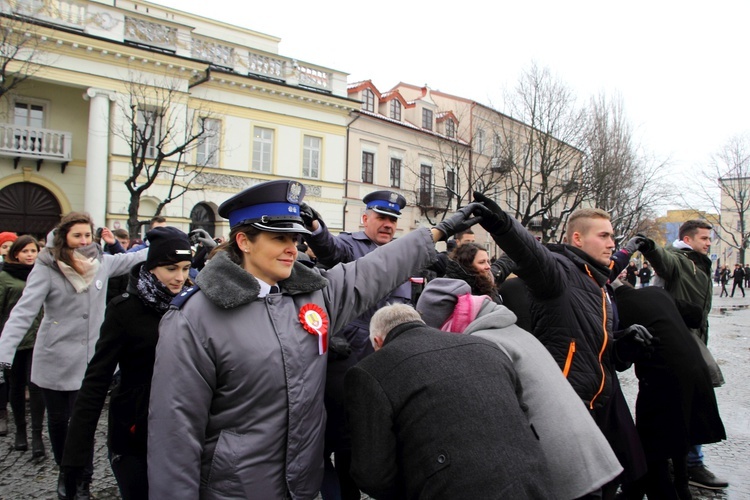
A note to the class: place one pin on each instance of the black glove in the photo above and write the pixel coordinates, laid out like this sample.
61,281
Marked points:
633,344
494,219
645,244
338,348
308,214
459,221
634,244
201,236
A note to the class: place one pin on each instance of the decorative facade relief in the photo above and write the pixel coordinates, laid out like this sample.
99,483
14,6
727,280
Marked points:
221,55
148,33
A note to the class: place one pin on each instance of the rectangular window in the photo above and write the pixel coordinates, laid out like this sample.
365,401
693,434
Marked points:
425,186
148,122
479,141
426,119
450,180
368,166
207,152
395,172
262,149
396,109
450,128
28,115
311,157
369,100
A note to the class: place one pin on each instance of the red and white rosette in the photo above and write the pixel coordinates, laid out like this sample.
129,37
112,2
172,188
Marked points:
315,321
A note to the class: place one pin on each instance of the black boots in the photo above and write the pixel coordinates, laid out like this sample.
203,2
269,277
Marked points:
37,447
3,420
21,443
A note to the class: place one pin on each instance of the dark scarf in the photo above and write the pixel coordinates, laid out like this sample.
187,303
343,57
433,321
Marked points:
599,272
153,292
18,270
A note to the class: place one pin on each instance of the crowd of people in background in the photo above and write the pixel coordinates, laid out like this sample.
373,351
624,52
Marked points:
287,362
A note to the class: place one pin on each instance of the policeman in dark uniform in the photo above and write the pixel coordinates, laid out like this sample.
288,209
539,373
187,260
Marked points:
383,209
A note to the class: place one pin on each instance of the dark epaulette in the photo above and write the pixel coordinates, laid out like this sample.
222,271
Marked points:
183,297
119,299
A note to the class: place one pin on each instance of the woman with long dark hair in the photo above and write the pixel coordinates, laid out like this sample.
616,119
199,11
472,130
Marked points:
70,281
471,263
18,264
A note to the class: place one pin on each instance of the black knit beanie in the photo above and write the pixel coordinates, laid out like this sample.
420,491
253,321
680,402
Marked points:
167,245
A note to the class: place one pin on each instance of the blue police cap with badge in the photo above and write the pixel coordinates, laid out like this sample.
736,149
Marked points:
270,206
385,202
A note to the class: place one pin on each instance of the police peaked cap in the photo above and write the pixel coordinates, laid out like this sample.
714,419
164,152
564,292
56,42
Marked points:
270,206
385,202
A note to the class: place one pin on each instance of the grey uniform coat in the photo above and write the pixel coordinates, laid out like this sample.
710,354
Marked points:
579,458
236,406
68,333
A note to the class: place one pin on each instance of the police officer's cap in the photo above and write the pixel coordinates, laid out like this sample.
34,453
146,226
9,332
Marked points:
385,202
270,206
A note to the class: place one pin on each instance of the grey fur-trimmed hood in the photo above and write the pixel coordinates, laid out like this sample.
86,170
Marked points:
227,285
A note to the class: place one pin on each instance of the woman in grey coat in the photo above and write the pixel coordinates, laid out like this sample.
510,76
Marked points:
236,407
70,281
578,455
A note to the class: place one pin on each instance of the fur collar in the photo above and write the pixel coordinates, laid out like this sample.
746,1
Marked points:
228,285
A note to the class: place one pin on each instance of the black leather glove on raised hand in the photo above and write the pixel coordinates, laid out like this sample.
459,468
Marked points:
493,218
202,237
633,344
634,244
309,215
462,220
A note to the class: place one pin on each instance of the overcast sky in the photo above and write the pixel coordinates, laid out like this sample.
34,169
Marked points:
680,67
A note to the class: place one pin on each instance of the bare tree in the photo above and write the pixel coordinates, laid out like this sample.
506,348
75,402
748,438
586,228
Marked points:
21,52
161,132
728,174
619,177
539,153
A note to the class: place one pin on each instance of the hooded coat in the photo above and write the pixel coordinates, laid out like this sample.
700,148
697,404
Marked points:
578,456
236,406
68,333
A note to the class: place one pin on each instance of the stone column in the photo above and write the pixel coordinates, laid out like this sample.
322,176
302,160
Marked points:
95,194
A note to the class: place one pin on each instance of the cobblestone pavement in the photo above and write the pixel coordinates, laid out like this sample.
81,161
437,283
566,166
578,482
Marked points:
729,342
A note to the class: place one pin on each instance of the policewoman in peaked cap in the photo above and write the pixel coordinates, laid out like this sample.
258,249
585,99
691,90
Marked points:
237,396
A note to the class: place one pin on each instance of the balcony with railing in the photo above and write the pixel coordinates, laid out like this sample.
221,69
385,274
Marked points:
438,198
35,143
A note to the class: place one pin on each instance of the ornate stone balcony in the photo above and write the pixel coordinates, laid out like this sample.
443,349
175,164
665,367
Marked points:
35,143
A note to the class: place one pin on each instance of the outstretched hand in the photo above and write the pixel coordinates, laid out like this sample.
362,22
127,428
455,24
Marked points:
494,219
461,220
202,236
633,344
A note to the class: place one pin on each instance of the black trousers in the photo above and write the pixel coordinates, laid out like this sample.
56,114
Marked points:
59,409
738,284
20,377
131,474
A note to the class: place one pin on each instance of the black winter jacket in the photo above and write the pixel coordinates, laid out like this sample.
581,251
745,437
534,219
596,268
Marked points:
571,312
128,338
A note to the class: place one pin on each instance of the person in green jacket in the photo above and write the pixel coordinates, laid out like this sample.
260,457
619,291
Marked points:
18,264
686,270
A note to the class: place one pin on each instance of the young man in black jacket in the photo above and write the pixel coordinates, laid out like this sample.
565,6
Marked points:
574,318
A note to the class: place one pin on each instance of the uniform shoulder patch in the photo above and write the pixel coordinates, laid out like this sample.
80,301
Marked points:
120,298
184,296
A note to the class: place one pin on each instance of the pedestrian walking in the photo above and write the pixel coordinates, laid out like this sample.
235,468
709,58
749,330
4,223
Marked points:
69,281
631,273
236,406
644,274
128,340
738,276
723,280
18,264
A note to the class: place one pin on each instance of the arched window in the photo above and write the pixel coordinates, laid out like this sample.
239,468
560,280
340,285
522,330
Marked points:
28,208
202,217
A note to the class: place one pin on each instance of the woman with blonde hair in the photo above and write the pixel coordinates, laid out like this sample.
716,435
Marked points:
69,280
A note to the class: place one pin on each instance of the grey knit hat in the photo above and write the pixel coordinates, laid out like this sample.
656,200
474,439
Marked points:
438,300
